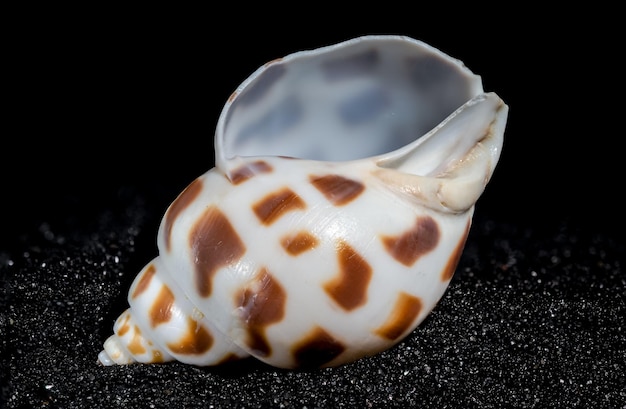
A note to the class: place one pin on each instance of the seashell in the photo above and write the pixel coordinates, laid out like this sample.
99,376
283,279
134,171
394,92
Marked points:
342,195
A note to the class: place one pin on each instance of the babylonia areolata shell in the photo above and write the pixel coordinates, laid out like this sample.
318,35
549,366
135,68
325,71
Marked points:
334,219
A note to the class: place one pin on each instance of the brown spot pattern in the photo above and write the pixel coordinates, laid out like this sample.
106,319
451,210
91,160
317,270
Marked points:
161,310
157,356
405,310
276,204
411,245
455,257
182,201
299,243
214,244
124,327
144,281
196,341
337,189
134,346
263,304
316,349
247,171
227,359
349,287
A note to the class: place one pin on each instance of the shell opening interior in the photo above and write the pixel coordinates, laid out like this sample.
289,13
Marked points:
354,100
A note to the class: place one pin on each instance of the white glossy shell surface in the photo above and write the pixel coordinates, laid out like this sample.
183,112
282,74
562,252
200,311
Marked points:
337,212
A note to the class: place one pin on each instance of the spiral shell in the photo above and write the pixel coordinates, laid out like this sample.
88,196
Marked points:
334,219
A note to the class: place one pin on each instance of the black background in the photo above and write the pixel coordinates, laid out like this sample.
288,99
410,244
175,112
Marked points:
104,101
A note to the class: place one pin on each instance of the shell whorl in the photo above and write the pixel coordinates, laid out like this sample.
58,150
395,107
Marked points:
284,275
337,235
